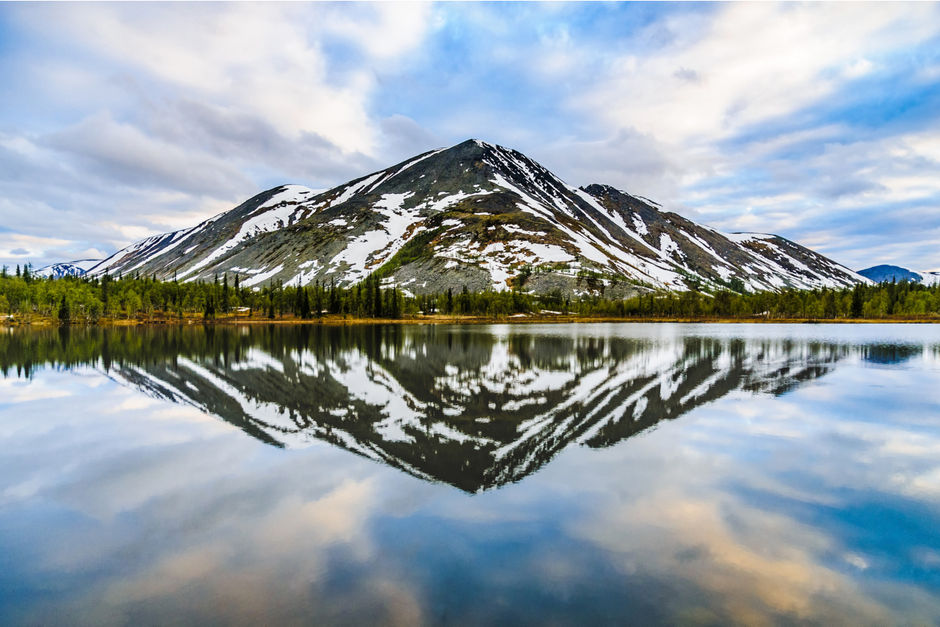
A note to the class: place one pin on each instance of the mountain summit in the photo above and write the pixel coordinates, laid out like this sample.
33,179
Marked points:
475,215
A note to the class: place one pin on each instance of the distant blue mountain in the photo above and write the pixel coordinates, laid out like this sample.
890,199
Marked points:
880,274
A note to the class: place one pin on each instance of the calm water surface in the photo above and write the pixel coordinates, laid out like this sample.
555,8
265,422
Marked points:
566,474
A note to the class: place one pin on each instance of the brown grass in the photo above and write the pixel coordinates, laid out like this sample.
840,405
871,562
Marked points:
36,321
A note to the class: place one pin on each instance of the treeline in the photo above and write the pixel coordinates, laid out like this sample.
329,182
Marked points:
881,301
73,299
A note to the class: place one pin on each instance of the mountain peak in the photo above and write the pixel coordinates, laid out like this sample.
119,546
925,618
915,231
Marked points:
475,215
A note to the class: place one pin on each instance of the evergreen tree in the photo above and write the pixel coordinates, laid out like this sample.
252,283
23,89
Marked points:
298,302
304,304
857,301
209,311
396,304
225,297
377,297
334,298
318,300
64,313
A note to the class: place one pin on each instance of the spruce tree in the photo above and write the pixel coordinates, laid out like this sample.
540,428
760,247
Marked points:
304,304
334,298
209,311
298,302
376,298
64,313
396,303
857,301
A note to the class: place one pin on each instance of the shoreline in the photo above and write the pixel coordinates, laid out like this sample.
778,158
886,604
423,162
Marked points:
334,320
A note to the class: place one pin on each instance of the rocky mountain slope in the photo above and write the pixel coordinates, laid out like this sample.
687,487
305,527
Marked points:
474,215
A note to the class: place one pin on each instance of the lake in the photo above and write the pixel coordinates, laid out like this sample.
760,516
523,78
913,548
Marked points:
531,474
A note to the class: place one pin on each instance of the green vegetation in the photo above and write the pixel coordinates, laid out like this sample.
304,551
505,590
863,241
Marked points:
26,298
140,298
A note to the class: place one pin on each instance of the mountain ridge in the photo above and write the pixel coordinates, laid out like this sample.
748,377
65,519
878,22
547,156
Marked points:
475,215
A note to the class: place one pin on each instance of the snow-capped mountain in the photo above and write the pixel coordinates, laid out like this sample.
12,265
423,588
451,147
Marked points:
473,410
884,273
474,215
79,267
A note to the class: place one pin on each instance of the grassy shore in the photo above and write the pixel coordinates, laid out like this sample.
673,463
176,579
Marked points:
36,321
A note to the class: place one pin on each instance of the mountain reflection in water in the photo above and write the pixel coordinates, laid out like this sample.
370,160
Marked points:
475,407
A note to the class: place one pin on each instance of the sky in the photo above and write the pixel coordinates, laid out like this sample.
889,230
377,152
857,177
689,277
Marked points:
817,122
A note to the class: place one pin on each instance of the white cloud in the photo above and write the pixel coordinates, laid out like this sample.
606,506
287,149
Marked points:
385,30
27,247
134,158
629,160
858,69
755,61
260,58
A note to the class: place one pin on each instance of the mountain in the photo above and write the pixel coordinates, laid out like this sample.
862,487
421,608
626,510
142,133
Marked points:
79,267
474,215
886,273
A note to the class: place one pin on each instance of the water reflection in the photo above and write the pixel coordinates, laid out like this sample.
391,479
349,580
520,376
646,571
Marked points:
473,409
781,496
890,353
